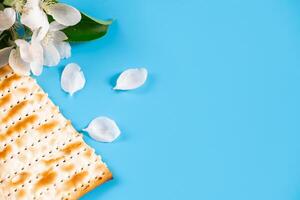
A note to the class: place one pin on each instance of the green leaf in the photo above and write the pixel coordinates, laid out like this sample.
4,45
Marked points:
5,39
1,6
87,29
9,2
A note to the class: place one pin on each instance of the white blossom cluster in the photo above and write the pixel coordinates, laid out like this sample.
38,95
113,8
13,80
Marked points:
46,44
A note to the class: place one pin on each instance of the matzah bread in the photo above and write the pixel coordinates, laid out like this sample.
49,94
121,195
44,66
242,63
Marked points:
41,155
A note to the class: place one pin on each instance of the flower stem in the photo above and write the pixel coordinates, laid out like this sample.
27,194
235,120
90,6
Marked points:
13,33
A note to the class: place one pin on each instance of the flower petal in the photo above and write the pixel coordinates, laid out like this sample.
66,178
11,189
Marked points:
36,68
64,49
17,64
33,16
4,55
39,34
7,18
131,79
72,78
36,64
51,55
24,50
58,36
55,26
103,129
32,54
64,14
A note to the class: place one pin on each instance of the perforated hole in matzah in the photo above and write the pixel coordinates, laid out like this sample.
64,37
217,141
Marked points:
41,154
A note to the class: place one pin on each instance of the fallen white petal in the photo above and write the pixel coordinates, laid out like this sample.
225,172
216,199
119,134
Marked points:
64,14
4,55
131,79
72,79
17,64
7,18
103,129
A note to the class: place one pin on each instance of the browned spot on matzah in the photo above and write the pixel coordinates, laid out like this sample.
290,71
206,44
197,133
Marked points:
5,152
20,141
20,179
5,100
19,126
23,90
76,179
82,190
4,70
9,81
53,160
21,193
88,153
45,128
47,178
68,168
39,96
71,147
100,168
15,111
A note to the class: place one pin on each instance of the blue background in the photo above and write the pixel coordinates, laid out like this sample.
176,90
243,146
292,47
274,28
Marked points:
219,115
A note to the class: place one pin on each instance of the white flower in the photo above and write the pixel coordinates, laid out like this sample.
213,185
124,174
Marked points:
27,56
34,17
54,45
7,18
47,45
43,49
